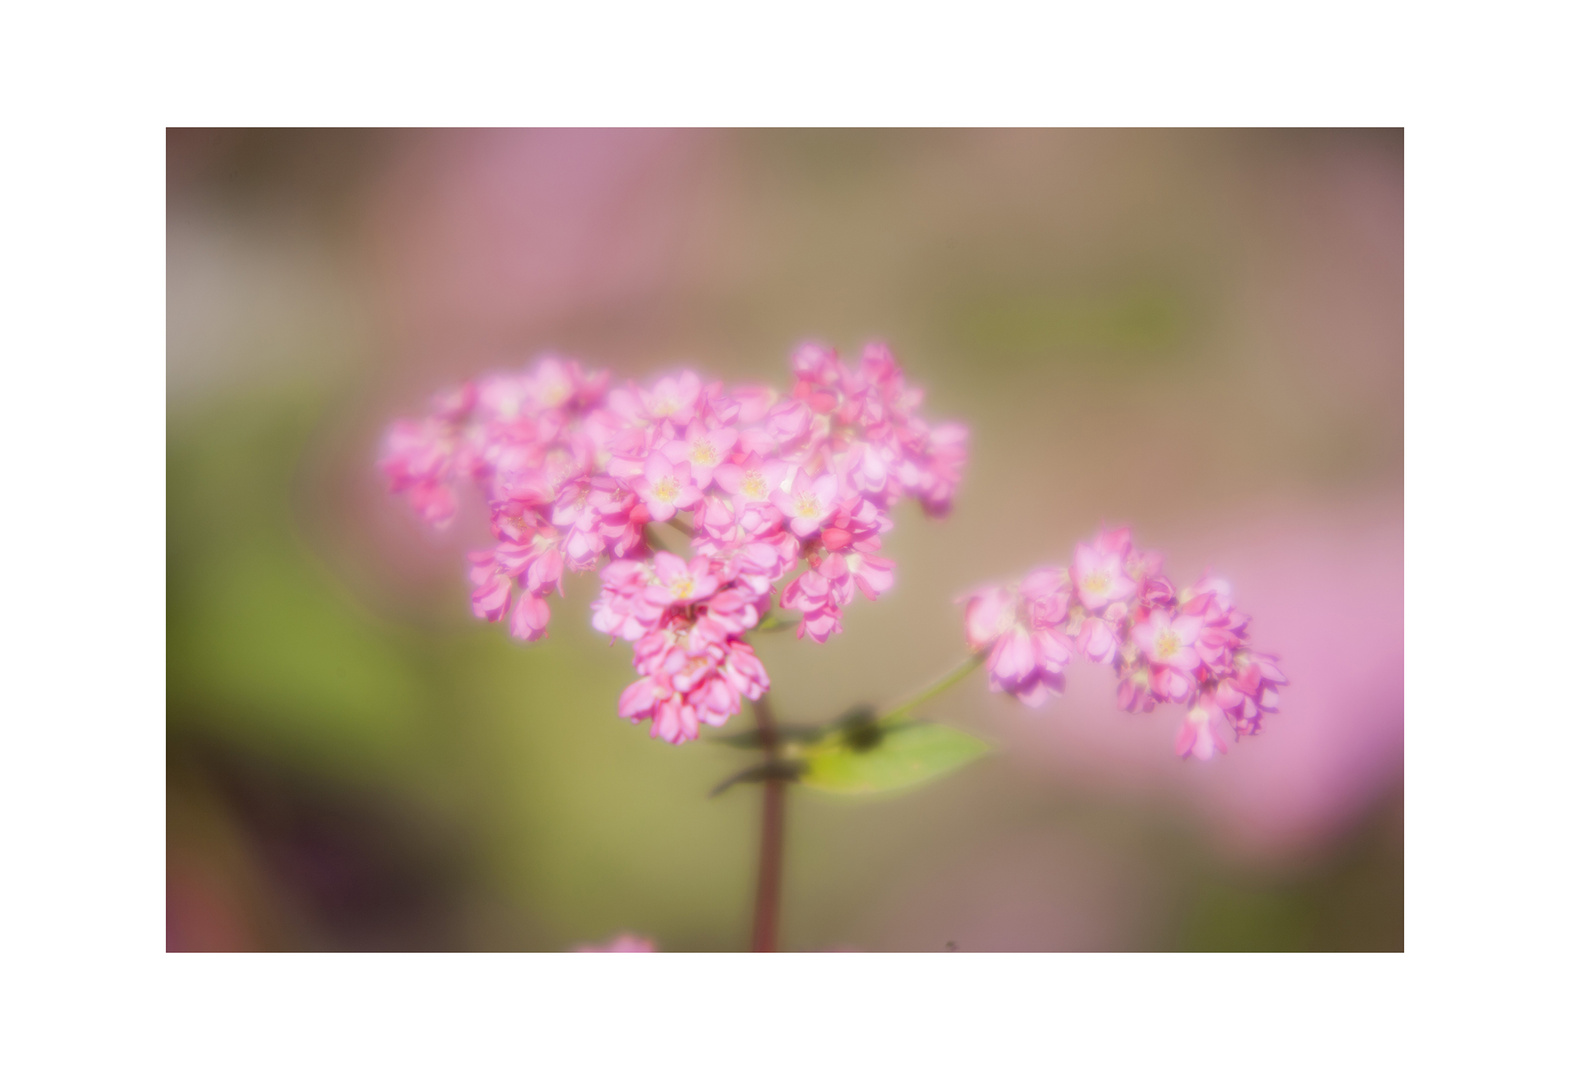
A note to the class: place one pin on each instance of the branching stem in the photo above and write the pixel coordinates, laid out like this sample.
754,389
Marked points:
771,848
933,689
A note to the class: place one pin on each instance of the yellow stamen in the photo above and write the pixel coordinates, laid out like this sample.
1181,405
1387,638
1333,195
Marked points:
1167,644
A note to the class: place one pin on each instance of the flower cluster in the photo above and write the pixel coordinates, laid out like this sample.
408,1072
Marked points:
1114,606
575,470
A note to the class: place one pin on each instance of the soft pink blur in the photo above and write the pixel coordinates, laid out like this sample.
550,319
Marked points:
479,235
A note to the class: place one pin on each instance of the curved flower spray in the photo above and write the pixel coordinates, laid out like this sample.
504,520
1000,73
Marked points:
1114,606
784,499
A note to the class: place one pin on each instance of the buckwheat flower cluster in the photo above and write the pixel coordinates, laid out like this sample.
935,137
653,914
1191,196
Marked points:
1114,606
575,470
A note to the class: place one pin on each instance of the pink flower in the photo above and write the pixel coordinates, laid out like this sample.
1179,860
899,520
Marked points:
1251,691
623,609
492,588
868,468
1200,734
754,481
678,582
686,627
703,452
947,452
557,383
1047,595
673,398
744,671
675,721
665,488
1023,662
530,616
873,574
752,403
806,501
1098,572
417,460
989,613
642,697
788,421
1167,641
515,519
1028,666
813,595
757,566
1097,640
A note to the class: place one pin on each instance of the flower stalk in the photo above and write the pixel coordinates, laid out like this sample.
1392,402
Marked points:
934,688
771,844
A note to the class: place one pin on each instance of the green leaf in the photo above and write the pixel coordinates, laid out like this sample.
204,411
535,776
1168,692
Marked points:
865,759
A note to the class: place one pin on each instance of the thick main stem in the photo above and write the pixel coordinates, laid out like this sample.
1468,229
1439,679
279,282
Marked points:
771,847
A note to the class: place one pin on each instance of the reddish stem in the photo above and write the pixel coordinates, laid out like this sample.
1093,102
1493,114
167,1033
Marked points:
771,848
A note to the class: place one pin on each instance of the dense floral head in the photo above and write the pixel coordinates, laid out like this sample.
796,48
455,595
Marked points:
1114,606
577,471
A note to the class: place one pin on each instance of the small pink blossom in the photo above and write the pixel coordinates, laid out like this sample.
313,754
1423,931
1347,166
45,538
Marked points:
673,398
806,501
530,617
623,609
703,452
873,574
1047,595
1097,640
676,581
492,588
1167,641
1200,734
788,421
417,460
812,594
753,481
1098,572
665,487
1024,662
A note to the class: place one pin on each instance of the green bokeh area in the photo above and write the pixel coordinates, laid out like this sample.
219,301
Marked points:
511,758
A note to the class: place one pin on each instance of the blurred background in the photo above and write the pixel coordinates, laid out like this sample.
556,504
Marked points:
1198,333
